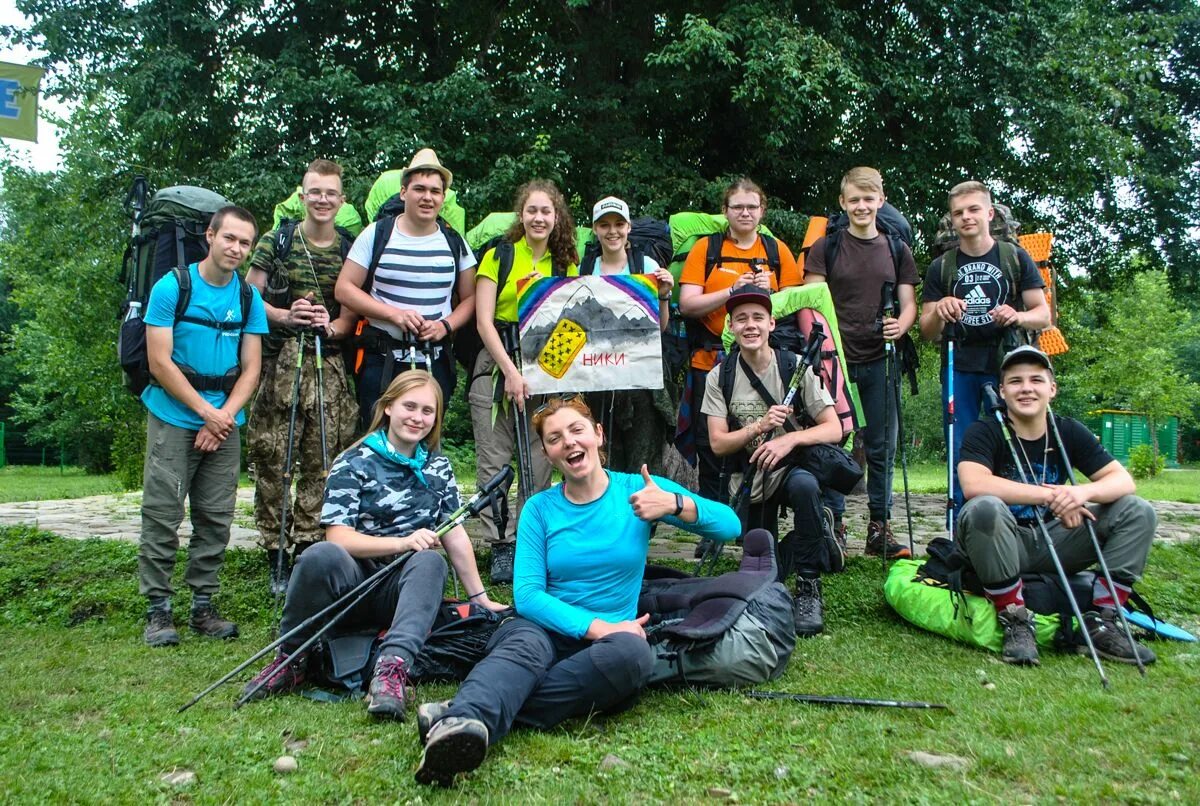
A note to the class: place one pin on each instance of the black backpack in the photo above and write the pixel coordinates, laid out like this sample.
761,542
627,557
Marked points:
168,233
892,224
648,237
131,343
278,286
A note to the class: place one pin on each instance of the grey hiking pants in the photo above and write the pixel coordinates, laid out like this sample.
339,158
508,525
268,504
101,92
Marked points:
1001,550
496,443
174,470
539,678
406,602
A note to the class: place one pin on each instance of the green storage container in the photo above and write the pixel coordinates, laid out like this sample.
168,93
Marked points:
1122,431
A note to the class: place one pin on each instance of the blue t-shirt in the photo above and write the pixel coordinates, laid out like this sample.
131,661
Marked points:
579,562
205,350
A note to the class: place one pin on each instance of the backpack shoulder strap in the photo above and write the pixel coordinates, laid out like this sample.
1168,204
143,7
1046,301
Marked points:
787,363
833,243
347,241
383,233
712,254
183,278
949,266
247,297
637,260
504,258
285,234
1010,265
771,247
725,382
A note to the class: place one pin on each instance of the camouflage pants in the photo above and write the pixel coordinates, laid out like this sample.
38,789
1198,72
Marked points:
267,442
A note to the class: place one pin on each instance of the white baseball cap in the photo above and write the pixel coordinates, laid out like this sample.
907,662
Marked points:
610,204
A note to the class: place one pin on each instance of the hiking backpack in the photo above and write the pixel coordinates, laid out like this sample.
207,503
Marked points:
892,224
342,664
279,292
796,310
168,234
735,629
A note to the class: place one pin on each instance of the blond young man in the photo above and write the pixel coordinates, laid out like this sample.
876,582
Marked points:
864,262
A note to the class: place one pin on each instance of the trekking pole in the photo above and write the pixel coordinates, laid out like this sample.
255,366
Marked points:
520,420
818,699
887,307
1066,461
903,449
288,468
471,507
995,408
321,403
948,336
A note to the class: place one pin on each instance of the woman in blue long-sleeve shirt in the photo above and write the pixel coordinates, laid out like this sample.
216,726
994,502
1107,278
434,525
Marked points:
579,644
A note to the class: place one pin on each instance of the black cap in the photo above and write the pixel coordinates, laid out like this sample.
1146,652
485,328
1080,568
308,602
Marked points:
1026,354
749,293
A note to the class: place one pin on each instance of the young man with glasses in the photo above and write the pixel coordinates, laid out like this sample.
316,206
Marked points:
745,258
296,279
409,303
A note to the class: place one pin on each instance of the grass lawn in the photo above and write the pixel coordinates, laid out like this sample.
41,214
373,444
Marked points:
34,483
90,713
1171,485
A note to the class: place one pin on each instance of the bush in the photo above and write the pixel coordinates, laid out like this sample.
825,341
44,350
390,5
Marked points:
1144,463
128,451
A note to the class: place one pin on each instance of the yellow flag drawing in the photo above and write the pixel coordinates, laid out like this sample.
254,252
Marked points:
19,100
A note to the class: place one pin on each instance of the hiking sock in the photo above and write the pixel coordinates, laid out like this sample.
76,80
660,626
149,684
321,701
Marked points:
160,603
201,600
1103,597
1004,594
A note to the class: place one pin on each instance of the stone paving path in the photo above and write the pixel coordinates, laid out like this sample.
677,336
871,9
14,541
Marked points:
117,517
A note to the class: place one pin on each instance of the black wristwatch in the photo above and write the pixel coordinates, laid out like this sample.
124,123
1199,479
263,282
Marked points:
678,504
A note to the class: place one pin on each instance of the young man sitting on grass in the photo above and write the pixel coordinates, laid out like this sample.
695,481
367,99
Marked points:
997,527
748,420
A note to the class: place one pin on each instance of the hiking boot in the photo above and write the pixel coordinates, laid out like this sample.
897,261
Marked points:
1108,636
279,582
160,629
1020,640
206,621
456,744
428,715
835,541
502,563
276,680
879,534
704,548
389,693
808,609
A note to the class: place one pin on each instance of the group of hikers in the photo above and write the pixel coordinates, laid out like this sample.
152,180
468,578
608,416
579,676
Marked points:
575,553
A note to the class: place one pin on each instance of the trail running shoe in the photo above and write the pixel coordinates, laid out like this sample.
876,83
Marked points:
1109,639
502,563
1020,640
206,621
879,534
808,608
160,629
278,680
389,693
455,744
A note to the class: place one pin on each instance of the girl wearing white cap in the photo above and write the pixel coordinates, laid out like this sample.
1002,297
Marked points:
611,225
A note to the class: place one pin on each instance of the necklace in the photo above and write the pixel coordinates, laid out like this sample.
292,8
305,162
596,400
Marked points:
311,268
1045,456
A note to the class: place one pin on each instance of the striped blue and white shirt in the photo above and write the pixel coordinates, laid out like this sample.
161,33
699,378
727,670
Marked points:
415,273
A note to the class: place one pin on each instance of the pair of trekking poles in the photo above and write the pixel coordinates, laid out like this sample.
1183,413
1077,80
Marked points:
487,494
996,408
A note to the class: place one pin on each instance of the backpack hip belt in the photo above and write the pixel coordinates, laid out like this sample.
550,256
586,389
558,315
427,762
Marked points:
208,383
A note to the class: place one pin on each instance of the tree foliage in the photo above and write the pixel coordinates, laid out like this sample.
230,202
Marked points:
1083,114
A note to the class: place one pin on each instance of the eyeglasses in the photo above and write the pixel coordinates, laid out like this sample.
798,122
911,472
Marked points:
317,195
744,208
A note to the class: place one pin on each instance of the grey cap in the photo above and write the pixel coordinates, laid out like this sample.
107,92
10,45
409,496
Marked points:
1026,354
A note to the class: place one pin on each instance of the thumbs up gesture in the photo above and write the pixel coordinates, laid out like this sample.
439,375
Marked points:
651,502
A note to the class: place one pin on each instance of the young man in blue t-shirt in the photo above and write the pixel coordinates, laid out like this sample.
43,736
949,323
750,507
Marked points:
205,365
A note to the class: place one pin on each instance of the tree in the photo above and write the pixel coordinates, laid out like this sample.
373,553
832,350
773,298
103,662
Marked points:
1136,359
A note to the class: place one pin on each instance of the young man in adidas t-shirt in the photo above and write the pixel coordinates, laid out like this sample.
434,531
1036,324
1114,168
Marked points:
766,432
864,263
412,292
205,366
978,307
